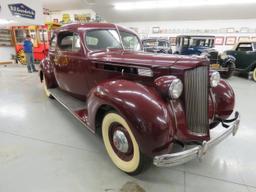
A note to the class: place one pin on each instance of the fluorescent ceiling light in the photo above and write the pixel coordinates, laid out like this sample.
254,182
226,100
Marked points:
161,4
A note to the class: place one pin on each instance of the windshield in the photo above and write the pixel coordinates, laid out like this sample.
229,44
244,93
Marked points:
101,39
197,42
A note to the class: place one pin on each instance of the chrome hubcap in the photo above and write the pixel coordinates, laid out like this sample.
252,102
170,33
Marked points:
120,141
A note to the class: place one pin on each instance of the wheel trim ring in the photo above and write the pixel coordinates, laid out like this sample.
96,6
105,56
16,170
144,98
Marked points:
127,166
47,92
254,74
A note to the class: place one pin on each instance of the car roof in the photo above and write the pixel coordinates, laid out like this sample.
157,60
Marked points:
155,39
246,42
85,26
208,36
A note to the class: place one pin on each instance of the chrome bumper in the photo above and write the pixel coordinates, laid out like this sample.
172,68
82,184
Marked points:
173,159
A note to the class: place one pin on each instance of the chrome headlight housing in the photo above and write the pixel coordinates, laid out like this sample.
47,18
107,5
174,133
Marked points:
215,79
223,56
175,89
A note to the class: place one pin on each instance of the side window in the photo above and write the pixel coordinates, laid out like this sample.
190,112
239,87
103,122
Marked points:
69,41
185,41
244,47
161,44
178,42
53,42
130,41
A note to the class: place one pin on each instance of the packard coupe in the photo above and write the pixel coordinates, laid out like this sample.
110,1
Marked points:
245,54
143,105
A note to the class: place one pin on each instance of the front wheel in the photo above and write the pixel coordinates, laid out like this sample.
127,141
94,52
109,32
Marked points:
47,92
121,144
227,74
254,74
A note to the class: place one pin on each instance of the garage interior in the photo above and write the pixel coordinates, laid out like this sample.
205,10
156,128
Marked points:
44,148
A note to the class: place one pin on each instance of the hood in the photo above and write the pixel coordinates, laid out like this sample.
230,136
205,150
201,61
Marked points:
144,59
204,49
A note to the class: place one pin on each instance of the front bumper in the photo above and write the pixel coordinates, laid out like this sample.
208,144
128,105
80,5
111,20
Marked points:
173,159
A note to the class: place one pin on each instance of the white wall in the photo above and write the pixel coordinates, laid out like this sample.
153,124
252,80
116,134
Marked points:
182,27
5,53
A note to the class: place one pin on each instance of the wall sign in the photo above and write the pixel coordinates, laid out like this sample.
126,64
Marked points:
21,10
230,40
219,41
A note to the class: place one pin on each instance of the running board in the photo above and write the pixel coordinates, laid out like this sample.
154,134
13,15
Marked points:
75,106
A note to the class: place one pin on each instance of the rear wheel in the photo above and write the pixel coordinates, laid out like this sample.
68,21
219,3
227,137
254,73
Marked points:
227,74
121,144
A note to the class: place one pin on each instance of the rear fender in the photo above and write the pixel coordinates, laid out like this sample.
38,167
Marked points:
142,107
252,66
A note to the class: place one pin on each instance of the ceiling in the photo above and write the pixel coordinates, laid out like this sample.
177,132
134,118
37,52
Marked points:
106,10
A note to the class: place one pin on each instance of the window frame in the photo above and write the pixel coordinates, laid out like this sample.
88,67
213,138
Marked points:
50,44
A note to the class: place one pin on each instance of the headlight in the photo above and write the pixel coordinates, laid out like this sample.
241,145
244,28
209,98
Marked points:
223,56
215,79
175,89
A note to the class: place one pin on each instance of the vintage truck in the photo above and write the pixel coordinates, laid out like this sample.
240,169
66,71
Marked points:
156,45
143,105
204,45
245,54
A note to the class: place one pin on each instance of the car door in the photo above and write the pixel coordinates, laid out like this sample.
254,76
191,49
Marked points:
70,65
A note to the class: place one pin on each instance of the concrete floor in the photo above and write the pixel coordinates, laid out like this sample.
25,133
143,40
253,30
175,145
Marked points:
43,148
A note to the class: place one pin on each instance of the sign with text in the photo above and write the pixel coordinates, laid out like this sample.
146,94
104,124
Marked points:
21,10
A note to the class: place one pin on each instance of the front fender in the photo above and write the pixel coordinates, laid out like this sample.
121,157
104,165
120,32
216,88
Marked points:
224,99
142,107
229,59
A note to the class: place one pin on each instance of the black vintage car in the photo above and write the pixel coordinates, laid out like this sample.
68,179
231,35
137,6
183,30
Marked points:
245,54
204,46
156,45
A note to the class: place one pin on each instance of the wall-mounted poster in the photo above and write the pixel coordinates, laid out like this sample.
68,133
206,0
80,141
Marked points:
219,41
155,29
172,41
230,40
83,18
243,39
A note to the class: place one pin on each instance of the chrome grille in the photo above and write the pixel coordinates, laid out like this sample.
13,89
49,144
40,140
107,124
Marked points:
196,99
213,57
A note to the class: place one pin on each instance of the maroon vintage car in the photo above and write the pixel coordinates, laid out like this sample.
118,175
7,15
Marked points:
143,105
